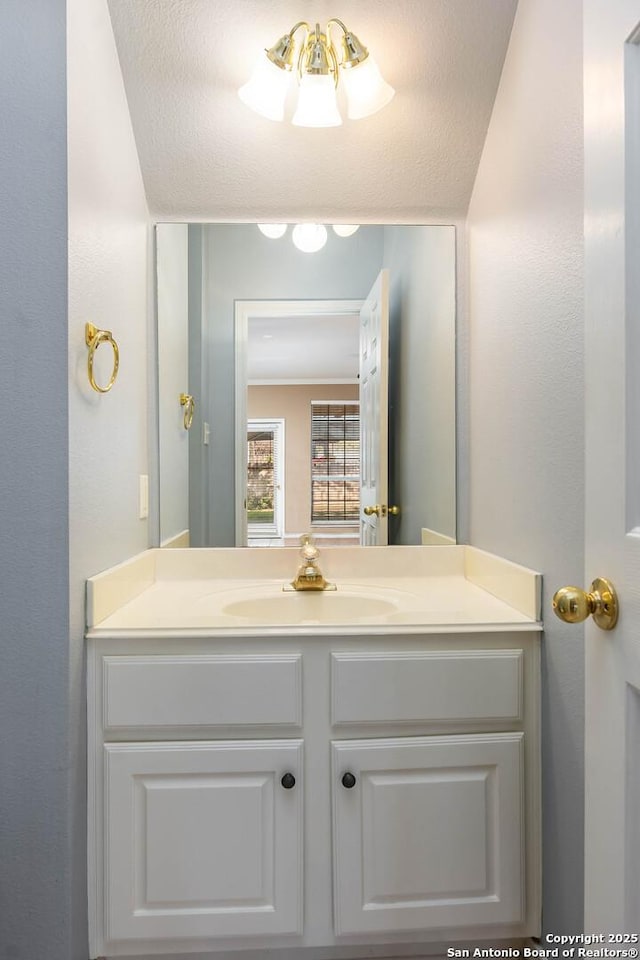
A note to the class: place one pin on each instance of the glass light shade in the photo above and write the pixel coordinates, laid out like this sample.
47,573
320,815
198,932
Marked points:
309,237
273,230
317,105
266,90
345,229
367,91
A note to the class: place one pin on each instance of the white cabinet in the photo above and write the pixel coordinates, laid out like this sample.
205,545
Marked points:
205,839
428,832
199,842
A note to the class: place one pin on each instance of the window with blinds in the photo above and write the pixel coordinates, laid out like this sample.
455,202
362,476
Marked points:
335,462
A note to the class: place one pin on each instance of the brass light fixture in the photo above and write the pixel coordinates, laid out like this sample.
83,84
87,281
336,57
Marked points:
319,68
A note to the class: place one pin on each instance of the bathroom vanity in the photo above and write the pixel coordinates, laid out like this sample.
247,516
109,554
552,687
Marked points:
270,769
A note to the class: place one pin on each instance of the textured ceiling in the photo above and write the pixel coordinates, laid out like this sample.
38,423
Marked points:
206,156
299,349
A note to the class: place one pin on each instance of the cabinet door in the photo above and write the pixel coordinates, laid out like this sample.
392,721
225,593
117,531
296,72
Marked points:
428,832
202,839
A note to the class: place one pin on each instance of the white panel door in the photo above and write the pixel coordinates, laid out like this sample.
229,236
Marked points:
428,832
265,479
374,414
612,307
204,839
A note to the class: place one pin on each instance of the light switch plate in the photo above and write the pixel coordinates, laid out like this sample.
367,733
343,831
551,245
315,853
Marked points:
143,496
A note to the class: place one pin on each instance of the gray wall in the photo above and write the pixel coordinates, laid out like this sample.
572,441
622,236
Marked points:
200,387
172,279
242,264
422,387
35,826
73,248
526,386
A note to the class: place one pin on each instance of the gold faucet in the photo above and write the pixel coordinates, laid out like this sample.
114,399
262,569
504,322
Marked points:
309,575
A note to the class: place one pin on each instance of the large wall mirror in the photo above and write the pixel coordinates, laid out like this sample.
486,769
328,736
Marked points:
289,417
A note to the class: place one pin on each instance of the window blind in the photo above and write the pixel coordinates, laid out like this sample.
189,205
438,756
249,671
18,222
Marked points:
335,462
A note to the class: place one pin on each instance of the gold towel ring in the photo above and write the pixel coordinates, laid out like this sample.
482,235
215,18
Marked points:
189,404
93,338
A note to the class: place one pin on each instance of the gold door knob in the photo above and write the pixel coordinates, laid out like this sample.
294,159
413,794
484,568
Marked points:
372,511
394,511
574,605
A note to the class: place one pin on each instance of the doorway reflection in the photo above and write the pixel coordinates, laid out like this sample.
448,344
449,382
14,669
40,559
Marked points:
265,487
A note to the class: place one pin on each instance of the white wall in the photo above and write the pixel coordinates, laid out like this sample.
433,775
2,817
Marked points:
422,388
526,385
172,275
109,256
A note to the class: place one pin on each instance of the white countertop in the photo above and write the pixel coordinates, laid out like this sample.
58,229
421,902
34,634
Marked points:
384,590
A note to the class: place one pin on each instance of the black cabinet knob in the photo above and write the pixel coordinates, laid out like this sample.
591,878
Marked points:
288,781
348,781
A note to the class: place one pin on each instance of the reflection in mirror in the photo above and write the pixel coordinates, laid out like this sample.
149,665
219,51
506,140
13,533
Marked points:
272,344
298,359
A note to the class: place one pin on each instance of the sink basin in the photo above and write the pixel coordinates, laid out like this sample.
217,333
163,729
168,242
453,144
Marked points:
310,607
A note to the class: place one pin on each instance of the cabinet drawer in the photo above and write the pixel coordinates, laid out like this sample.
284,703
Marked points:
438,686
216,690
